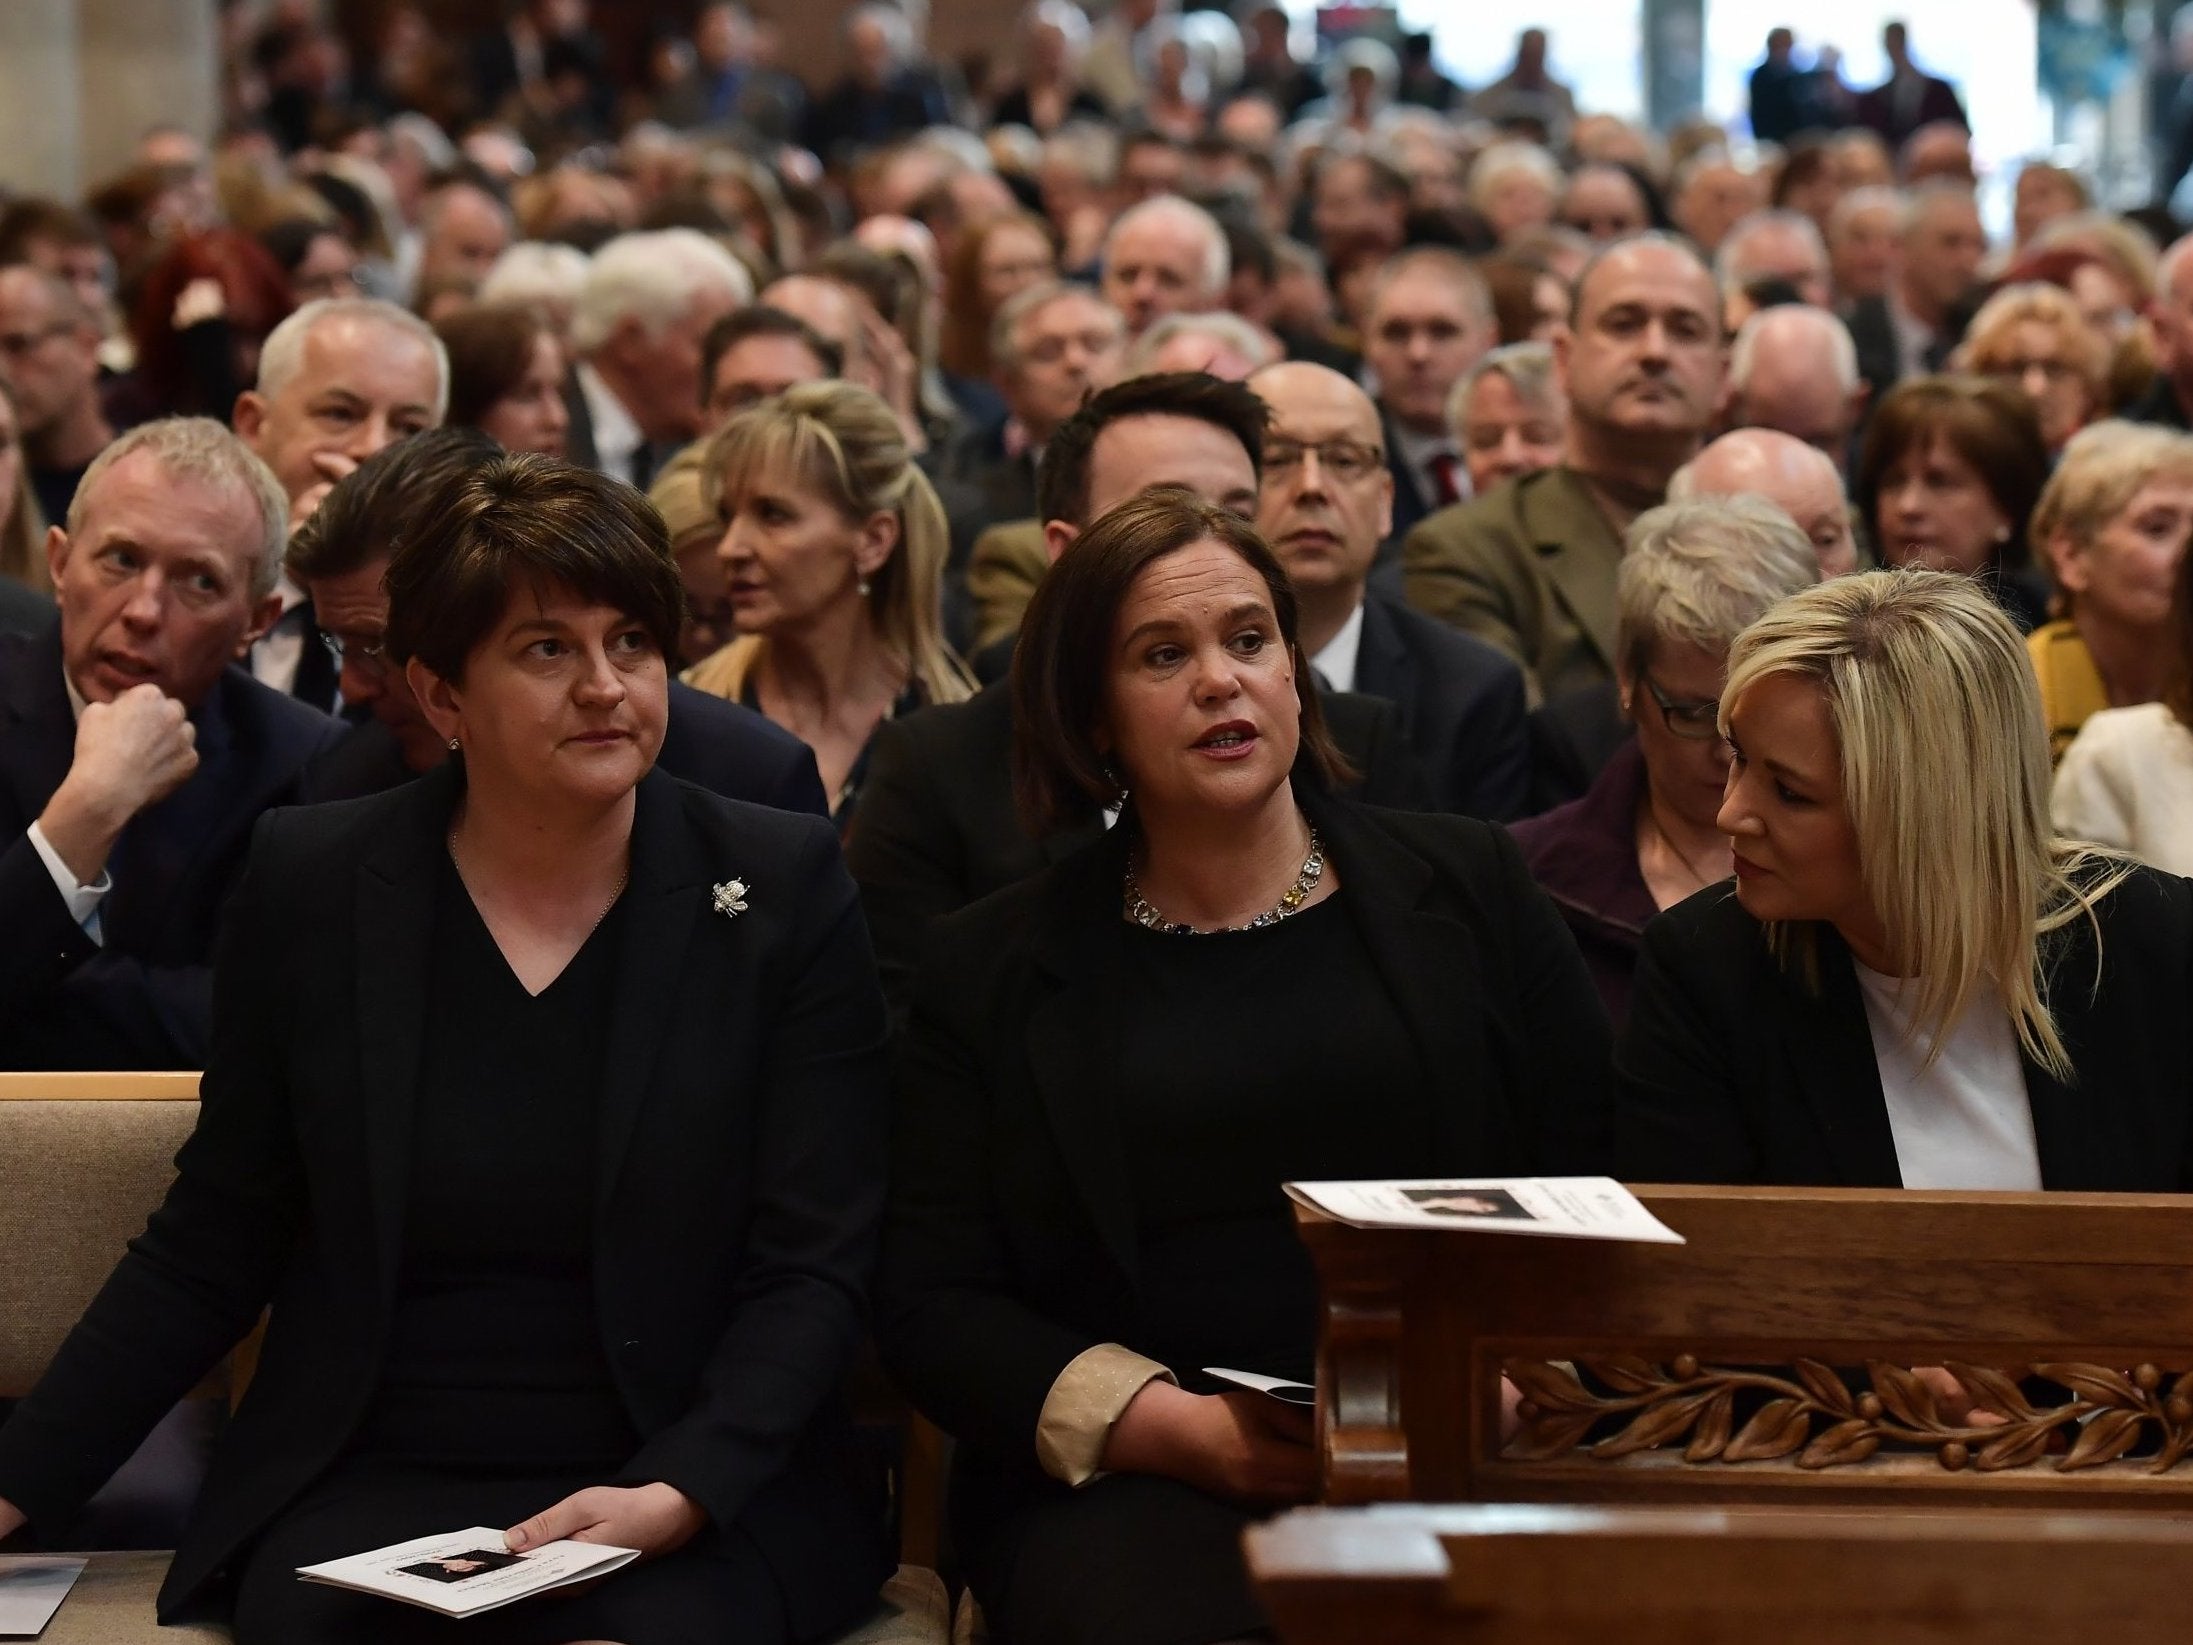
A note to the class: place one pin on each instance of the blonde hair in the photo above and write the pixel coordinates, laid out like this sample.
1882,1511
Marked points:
1925,679
23,527
1989,339
2102,469
846,444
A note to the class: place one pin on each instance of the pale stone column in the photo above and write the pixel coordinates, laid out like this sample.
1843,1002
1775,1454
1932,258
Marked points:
142,63
38,97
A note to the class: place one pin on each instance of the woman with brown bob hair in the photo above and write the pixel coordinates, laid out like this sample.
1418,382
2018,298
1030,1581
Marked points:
1111,1068
545,1109
1947,481
506,376
994,261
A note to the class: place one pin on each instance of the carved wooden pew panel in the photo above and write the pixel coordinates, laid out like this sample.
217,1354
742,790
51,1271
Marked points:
1768,1360
1573,1575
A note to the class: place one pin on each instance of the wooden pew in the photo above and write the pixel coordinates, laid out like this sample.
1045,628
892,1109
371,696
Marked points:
1501,1574
1711,1367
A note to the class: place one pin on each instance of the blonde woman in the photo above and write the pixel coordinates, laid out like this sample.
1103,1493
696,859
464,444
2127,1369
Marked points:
1914,982
2111,529
22,528
2035,336
833,556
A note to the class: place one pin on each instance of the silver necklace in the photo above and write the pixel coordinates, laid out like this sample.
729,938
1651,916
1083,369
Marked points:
1138,910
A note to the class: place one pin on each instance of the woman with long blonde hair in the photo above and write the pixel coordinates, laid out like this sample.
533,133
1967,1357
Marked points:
1914,981
833,553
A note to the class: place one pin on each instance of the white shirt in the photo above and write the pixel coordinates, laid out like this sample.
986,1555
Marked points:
83,900
616,435
1335,664
2127,781
1915,339
276,653
1964,1121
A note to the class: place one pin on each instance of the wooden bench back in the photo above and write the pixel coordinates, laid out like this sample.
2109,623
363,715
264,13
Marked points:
84,1160
1571,1575
1766,1360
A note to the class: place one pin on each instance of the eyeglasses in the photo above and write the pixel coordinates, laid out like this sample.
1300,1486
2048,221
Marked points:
1344,460
367,653
1695,722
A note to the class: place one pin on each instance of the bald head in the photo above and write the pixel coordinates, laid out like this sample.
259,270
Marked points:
1792,475
1794,369
1326,499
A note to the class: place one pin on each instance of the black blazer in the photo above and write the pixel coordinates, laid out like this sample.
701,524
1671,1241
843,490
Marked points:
1732,1070
713,744
143,999
741,1141
23,610
1462,708
1010,1244
937,828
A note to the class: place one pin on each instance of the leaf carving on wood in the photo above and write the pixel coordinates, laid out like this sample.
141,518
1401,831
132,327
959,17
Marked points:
1816,1417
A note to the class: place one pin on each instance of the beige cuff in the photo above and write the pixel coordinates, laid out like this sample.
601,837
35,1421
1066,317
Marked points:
1088,1397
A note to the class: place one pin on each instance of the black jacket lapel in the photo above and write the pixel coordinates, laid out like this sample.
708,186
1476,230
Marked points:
671,881
395,914
1830,1053
41,728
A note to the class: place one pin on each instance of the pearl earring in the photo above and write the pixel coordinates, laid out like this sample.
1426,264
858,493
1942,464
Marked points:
865,586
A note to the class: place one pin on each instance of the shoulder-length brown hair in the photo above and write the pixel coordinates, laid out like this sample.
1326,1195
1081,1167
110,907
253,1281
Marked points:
1990,424
964,349
1063,659
490,350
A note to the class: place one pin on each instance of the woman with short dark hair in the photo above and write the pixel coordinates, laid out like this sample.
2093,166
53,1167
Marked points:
506,376
545,1109
1110,1070
1947,481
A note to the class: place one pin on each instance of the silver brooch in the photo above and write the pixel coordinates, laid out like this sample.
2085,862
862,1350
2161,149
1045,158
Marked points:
730,900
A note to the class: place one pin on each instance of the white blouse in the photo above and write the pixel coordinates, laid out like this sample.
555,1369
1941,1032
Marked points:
1963,1121
2127,781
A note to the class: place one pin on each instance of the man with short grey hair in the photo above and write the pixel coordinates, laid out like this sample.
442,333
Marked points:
1912,328
1795,477
1775,245
1794,369
643,315
134,757
1165,256
338,380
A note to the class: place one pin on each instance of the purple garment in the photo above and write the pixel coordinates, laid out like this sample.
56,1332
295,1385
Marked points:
1584,856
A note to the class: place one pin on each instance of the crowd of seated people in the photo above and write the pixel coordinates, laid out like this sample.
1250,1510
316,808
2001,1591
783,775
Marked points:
752,728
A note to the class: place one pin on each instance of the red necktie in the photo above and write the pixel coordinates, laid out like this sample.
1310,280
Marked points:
1443,469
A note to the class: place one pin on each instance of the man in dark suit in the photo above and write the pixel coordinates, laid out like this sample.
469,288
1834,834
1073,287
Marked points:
1326,504
1911,329
938,827
23,610
338,380
1430,320
341,556
134,758
1910,97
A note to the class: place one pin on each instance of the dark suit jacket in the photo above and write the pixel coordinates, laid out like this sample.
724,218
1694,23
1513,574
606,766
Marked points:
1573,736
1938,100
142,999
1528,567
1461,706
1010,1244
741,1136
713,744
1411,503
23,610
1732,1069
937,827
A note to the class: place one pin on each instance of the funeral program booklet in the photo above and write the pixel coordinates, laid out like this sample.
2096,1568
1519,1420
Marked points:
1568,1207
32,1587
462,1573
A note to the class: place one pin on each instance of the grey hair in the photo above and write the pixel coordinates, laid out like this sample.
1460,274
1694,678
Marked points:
1873,197
427,136
1700,573
282,356
1744,352
1728,273
1019,308
652,277
200,449
538,272
1069,19
897,27
1090,148
1526,366
1227,327
1510,158
1936,189
1217,260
